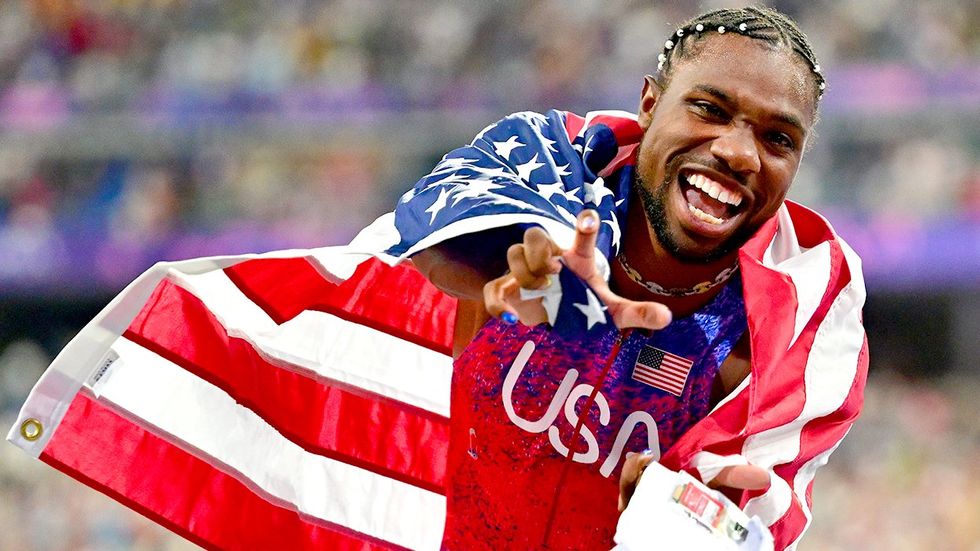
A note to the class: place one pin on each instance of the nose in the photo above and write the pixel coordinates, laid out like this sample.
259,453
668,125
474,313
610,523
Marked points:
737,147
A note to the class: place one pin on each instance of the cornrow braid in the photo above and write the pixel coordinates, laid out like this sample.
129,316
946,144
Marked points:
758,22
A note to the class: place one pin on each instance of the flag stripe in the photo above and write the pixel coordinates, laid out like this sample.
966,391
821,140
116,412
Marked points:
661,374
660,382
286,287
209,421
112,454
322,416
653,374
380,363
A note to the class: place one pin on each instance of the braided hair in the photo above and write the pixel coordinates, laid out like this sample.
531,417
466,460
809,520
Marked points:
758,22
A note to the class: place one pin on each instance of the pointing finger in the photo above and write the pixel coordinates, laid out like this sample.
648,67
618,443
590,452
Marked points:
631,313
586,233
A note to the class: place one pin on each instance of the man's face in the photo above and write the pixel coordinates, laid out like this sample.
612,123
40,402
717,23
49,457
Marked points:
722,143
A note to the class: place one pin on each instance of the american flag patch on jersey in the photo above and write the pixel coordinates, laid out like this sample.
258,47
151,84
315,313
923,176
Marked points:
661,369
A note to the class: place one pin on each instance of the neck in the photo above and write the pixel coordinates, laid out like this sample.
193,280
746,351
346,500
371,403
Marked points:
655,263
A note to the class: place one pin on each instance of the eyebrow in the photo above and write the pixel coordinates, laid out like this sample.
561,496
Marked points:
784,118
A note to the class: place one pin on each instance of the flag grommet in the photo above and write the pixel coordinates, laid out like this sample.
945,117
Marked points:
31,429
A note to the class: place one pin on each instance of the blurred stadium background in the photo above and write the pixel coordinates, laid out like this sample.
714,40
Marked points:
138,130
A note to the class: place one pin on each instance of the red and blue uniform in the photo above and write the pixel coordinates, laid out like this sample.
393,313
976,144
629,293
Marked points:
518,477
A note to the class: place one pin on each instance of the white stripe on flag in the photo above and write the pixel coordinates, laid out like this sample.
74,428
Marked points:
829,374
207,419
331,346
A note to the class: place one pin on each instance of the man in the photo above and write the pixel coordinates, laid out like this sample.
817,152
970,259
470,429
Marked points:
695,186
726,341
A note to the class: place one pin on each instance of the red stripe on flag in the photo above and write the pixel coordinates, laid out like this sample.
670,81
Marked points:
573,125
322,416
818,436
626,130
285,287
769,296
112,454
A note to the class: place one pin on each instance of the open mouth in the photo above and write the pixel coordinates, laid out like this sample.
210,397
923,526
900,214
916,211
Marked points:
708,200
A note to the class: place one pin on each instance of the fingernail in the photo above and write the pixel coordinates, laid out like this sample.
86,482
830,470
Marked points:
589,221
646,452
509,318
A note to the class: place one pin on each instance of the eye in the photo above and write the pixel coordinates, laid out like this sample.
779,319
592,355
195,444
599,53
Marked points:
781,140
710,110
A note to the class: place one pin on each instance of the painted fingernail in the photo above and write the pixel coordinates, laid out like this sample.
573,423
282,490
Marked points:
509,318
646,452
589,221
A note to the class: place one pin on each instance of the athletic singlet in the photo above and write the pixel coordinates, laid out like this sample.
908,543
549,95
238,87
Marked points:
517,395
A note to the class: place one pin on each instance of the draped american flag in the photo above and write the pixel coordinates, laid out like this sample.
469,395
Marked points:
300,399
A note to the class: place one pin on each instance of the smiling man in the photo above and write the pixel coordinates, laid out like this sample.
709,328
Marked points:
640,283
633,288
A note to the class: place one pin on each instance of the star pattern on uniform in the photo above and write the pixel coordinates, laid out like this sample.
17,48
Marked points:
505,148
593,310
524,170
438,204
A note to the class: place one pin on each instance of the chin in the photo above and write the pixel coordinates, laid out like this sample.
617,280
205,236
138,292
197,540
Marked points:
681,244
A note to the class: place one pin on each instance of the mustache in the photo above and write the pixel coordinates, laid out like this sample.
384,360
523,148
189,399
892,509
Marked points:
675,164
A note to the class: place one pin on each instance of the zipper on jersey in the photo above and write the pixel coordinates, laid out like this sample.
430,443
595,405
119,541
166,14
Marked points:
621,337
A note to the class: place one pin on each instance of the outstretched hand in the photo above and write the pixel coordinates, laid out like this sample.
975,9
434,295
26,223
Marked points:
534,261
739,477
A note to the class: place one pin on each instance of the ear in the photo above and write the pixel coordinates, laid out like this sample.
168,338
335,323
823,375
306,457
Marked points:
648,100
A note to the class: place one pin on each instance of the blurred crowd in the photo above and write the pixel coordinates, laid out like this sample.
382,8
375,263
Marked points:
136,130
906,478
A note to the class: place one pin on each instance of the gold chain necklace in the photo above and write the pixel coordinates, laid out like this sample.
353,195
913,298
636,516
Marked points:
657,289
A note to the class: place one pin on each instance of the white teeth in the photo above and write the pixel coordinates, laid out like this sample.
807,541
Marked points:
700,214
715,190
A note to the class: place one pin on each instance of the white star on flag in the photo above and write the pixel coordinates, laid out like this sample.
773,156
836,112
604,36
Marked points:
588,146
438,204
563,170
451,164
505,148
556,188
473,189
524,170
596,191
616,232
571,196
550,144
594,311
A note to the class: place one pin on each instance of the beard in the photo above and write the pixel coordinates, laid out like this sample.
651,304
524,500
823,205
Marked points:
654,206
